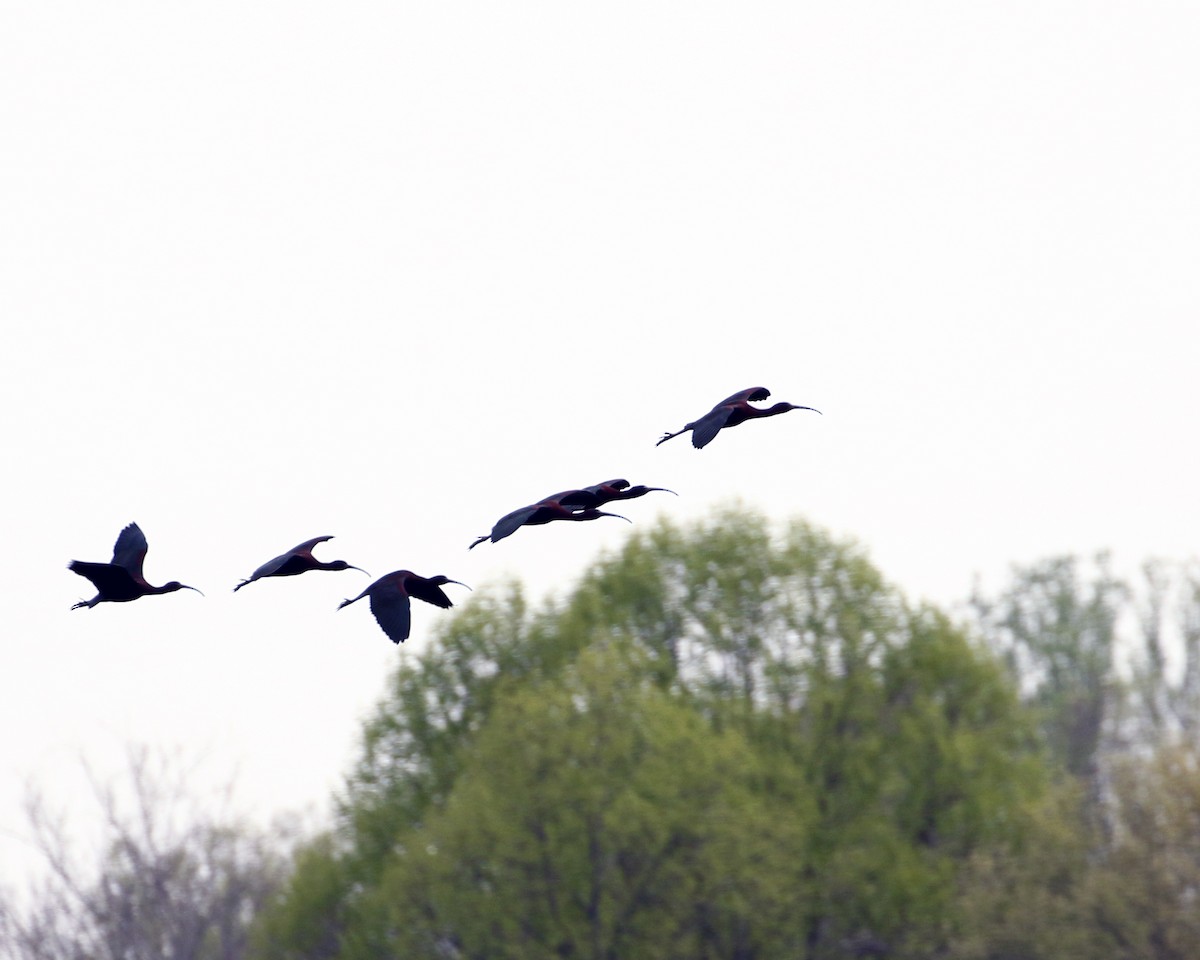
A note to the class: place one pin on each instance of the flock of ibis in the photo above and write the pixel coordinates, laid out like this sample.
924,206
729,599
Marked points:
390,595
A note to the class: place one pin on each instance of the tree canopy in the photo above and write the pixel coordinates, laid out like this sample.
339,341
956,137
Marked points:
733,740
726,741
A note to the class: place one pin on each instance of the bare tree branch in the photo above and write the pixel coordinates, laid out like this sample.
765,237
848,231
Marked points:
175,880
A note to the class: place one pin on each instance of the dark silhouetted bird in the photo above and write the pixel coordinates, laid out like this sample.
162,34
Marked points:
298,560
390,599
601,493
544,511
730,412
122,580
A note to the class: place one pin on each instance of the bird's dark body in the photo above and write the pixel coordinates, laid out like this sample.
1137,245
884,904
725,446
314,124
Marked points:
116,584
122,580
291,566
731,412
535,514
390,599
296,561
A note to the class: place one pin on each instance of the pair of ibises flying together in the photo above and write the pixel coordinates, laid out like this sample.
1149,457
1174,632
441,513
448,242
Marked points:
390,595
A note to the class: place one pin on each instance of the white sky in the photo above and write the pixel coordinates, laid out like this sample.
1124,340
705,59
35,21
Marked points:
270,271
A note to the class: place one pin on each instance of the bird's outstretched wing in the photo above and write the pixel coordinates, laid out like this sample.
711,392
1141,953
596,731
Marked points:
427,590
510,523
268,569
393,613
307,545
709,425
130,551
747,395
618,484
108,578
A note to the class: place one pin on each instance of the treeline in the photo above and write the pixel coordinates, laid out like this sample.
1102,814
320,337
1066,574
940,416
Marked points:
737,740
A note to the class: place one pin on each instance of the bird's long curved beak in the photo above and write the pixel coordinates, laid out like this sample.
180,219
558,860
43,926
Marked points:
351,566
660,490
184,586
460,583
604,513
796,406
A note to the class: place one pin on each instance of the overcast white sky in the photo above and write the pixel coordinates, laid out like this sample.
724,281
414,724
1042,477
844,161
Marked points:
270,271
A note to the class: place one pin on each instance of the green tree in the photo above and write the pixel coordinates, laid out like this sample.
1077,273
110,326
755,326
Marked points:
1058,630
1033,899
1074,890
311,911
1145,882
598,817
731,740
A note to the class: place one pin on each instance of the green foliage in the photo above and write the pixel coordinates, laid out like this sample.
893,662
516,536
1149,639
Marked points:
411,745
728,741
306,921
1032,899
1072,890
1145,887
734,612
1059,632
596,816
